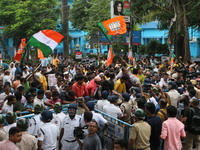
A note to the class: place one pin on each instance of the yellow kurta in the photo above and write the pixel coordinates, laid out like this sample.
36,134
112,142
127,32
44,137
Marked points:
120,87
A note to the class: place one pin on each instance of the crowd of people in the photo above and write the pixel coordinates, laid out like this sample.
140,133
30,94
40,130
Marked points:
159,100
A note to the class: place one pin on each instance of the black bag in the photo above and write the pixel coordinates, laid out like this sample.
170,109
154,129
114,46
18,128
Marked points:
194,126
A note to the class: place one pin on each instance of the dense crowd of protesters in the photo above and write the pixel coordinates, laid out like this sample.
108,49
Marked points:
160,100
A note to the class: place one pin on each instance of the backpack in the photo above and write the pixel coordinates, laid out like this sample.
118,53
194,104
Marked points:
194,126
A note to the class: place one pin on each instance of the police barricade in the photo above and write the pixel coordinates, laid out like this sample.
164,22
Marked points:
117,129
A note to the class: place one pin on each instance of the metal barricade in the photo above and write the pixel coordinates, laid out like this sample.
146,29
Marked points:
117,129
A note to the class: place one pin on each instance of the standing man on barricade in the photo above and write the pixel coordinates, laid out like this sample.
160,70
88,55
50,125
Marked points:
67,140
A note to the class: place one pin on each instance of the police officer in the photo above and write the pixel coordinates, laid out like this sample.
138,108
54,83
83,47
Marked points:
11,120
48,132
72,120
59,116
3,134
28,142
35,123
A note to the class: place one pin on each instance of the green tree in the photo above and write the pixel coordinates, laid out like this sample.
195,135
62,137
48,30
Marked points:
85,14
23,18
175,15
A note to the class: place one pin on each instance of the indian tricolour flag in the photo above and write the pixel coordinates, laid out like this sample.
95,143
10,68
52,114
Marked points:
45,40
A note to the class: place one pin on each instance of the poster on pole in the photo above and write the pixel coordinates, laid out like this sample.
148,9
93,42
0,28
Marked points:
121,8
78,55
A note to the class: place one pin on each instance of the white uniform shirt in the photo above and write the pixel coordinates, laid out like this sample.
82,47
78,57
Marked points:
58,119
34,125
174,97
101,103
112,110
6,108
7,128
68,126
101,121
48,134
38,102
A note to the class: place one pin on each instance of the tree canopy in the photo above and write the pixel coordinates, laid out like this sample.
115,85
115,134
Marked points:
23,18
85,14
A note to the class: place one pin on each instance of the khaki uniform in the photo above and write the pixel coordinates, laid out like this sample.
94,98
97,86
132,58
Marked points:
3,134
140,133
28,142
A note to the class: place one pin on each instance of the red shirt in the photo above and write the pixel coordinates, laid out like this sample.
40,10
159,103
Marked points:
51,101
79,90
91,87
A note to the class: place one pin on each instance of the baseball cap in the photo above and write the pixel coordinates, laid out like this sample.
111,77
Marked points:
126,96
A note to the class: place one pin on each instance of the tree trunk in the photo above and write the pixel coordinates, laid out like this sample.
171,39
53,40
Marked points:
4,48
181,40
65,28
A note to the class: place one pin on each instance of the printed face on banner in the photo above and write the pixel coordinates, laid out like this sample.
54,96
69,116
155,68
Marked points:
121,8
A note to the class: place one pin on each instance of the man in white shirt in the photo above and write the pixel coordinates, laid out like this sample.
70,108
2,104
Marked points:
112,109
8,104
39,99
72,120
102,102
173,93
163,81
48,133
11,120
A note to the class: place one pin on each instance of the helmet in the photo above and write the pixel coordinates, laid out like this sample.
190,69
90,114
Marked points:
73,106
173,84
126,96
2,119
38,109
57,107
156,90
22,123
46,115
10,117
139,113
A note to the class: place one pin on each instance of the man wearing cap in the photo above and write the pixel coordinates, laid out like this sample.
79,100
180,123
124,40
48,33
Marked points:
126,108
103,101
140,132
48,133
3,134
67,140
173,93
11,120
93,86
113,109
35,123
28,141
59,116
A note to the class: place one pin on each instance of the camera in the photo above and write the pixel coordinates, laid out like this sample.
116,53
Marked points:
78,132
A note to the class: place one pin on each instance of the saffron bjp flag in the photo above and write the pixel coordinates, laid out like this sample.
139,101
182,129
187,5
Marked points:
110,57
130,55
40,54
45,40
20,50
114,26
